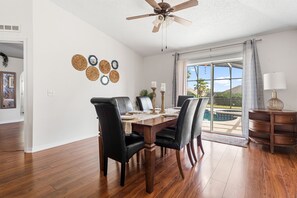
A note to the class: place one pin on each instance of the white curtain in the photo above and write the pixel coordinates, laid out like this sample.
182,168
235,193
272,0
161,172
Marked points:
252,85
179,78
174,98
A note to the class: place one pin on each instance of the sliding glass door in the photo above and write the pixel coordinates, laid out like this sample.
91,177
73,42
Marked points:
221,83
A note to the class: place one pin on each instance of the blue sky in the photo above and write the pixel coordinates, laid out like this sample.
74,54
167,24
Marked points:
221,76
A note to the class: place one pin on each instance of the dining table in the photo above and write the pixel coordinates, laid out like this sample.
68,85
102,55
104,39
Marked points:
148,125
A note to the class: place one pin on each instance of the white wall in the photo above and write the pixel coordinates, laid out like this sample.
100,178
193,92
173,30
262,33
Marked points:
68,115
14,114
19,12
158,68
277,52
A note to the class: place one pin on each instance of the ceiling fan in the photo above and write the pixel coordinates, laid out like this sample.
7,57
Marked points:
163,12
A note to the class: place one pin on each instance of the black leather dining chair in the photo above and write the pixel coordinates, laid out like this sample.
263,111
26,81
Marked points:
116,145
197,125
124,104
144,103
181,136
181,99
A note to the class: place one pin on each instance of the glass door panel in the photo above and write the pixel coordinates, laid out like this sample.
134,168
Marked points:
221,83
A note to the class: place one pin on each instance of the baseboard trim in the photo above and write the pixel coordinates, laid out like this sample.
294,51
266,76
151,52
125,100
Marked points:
11,121
55,144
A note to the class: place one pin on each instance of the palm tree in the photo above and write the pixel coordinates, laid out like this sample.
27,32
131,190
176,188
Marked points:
201,87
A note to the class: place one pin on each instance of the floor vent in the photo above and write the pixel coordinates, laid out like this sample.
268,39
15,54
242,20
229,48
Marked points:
9,28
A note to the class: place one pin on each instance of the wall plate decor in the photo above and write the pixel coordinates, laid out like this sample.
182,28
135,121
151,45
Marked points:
114,76
92,73
93,60
7,90
79,62
104,66
114,64
104,80
5,59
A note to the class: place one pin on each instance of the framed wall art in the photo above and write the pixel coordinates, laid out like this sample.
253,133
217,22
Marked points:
7,90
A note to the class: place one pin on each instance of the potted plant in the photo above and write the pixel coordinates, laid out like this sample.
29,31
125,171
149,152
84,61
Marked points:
145,92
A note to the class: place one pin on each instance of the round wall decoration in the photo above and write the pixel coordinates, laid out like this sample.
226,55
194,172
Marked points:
114,64
79,62
93,60
104,66
104,80
114,76
92,73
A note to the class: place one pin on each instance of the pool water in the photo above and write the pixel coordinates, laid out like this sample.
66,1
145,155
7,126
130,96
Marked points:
219,116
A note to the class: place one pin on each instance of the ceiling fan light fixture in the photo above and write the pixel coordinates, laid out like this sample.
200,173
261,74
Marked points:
159,19
169,20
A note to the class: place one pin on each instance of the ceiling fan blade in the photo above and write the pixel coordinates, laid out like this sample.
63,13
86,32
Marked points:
154,4
140,16
181,20
156,28
184,5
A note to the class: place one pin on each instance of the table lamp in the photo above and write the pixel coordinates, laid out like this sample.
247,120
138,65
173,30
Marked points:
274,81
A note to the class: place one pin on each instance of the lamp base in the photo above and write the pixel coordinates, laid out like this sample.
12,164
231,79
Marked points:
275,104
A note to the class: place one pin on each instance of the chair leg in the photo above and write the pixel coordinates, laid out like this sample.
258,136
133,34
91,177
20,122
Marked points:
193,150
179,164
105,165
189,154
199,143
123,169
162,151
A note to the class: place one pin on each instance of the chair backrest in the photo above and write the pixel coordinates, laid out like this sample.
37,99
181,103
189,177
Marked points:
144,103
184,122
124,104
113,136
181,100
198,117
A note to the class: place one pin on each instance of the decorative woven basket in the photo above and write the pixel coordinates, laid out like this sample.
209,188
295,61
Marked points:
104,66
92,73
114,76
79,62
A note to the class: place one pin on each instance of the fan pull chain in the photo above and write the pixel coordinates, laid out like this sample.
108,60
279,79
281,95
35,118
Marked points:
162,48
166,36
162,41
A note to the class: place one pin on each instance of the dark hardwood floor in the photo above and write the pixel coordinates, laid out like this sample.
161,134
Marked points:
11,137
224,171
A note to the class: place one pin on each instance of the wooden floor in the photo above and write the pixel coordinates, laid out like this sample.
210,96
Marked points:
11,137
224,171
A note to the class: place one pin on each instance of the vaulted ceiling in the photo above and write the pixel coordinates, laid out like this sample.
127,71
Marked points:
213,21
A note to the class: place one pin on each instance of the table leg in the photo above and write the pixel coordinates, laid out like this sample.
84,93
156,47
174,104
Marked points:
150,155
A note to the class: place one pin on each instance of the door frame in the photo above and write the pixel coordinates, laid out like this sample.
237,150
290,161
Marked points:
28,118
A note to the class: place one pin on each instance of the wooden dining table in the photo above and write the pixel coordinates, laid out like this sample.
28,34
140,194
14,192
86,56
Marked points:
148,128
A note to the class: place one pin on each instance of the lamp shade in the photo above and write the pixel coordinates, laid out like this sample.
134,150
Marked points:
275,80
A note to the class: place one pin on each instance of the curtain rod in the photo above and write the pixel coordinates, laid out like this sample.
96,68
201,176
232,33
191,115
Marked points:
222,46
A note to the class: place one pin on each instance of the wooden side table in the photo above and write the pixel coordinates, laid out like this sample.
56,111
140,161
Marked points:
274,128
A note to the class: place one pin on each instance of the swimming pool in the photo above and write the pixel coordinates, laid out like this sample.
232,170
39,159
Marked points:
221,116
